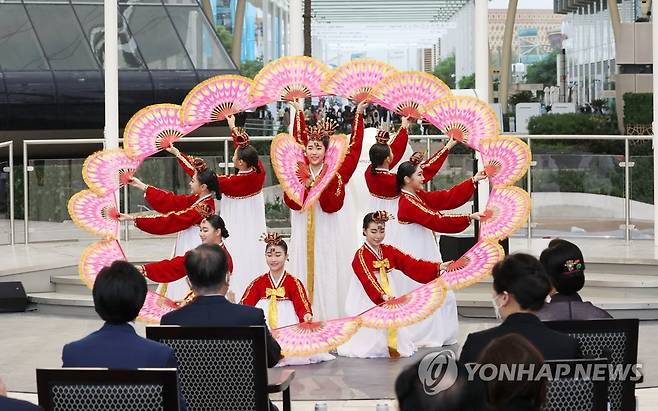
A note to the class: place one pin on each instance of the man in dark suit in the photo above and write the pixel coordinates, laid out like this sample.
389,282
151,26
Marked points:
119,293
207,268
12,404
520,287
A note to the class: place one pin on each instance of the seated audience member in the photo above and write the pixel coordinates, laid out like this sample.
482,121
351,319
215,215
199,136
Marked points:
520,286
565,265
119,293
207,268
415,387
509,394
12,404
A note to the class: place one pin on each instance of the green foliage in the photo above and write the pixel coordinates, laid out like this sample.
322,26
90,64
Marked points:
521,97
276,210
251,67
544,71
571,123
638,108
226,37
445,71
467,82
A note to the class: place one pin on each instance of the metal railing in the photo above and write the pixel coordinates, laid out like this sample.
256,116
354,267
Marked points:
10,146
226,164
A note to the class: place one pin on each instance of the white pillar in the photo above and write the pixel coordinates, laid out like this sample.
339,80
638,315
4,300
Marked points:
276,33
482,78
654,58
111,60
285,38
296,27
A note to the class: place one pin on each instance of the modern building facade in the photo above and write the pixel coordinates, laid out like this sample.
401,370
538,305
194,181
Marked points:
533,34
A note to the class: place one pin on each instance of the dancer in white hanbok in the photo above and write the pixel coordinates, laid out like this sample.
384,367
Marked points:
420,215
242,207
281,296
375,265
323,235
180,214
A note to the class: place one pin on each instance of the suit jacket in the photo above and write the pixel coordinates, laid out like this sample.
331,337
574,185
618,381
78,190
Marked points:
119,346
570,307
552,344
12,404
217,311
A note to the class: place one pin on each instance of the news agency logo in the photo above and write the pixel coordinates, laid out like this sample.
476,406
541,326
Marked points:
438,371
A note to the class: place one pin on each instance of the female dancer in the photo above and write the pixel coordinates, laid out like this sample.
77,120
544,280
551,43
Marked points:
321,236
375,264
178,214
212,230
242,205
420,215
281,295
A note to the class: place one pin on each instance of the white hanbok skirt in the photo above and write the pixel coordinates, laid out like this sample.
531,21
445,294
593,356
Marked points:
245,222
286,315
185,241
370,342
440,328
334,244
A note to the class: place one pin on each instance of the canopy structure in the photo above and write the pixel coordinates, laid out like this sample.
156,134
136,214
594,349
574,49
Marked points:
382,11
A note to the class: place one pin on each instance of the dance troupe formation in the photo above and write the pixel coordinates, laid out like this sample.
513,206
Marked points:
322,292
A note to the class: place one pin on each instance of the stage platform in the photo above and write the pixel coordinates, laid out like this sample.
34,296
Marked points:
621,277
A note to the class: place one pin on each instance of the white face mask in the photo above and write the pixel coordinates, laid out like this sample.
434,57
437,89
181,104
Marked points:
494,302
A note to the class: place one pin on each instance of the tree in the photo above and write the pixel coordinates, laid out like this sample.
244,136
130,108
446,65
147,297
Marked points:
445,71
467,81
251,67
226,37
544,71
520,97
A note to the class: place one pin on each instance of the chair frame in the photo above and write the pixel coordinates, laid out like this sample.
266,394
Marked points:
628,326
257,334
96,376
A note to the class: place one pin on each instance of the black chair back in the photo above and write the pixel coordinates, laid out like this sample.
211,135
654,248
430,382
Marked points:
220,368
90,389
574,390
615,339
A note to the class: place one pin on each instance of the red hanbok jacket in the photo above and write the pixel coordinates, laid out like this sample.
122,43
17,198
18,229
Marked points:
367,262
167,271
293,290
178,212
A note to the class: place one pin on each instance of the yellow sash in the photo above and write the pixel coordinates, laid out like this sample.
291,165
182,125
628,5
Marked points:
272,294
383,266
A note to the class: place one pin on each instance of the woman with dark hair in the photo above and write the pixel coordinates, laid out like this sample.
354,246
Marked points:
323,234
375,266
180,214
212,230
281,295
512,394
420,214
565,265
242,205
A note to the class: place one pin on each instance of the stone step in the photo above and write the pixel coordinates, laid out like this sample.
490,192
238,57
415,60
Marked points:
471,304
57,303
73,285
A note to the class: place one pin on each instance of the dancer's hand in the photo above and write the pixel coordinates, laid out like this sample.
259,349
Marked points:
137,183
475,216
126,217
481,175
361,107
451,143
230,119
387,297
405,122
444,265
141,270
173,150
308,317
